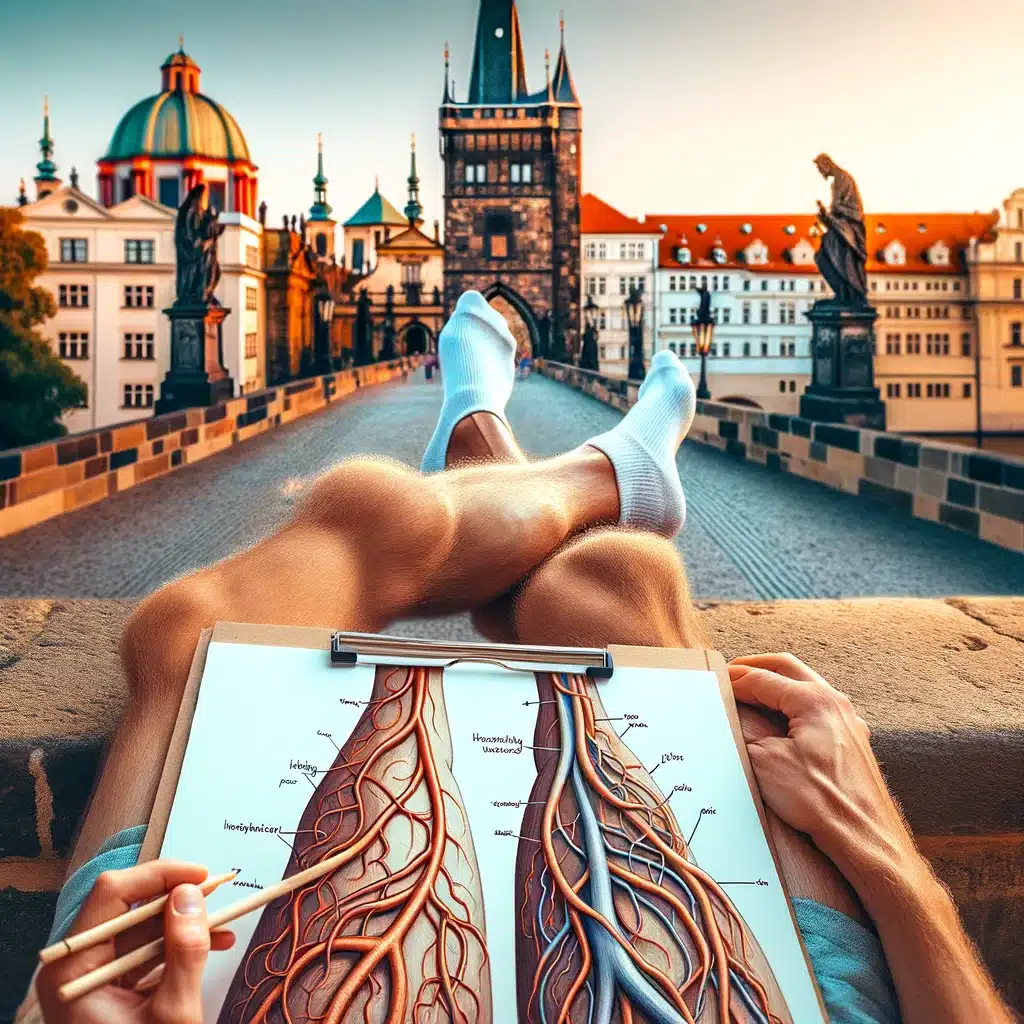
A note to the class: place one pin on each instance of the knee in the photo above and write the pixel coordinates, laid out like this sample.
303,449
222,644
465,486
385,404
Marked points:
387,511
159,640
610,587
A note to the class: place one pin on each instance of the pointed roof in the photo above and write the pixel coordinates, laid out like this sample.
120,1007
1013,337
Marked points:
600,218
499,72
412,238
564,87
376,210
46,167
321,209
414,208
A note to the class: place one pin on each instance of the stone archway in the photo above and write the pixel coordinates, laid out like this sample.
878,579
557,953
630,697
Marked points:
521,319
417,339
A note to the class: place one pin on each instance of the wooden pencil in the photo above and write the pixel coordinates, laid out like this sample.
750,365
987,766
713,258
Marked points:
116,925
152,950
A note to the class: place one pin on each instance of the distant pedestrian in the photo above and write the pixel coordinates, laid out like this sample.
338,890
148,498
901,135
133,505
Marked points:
428,365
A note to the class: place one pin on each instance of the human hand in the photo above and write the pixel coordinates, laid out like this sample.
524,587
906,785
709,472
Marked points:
177,997
821,777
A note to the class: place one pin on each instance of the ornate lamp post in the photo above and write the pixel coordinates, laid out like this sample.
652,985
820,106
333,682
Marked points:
324,305
703,326
635,319
588,358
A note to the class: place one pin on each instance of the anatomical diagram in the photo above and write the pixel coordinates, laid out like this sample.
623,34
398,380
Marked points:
395,933
616,923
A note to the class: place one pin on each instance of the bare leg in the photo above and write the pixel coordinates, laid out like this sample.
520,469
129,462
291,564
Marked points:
373,542
614,587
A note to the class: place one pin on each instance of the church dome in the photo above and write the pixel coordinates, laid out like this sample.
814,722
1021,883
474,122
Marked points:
178,122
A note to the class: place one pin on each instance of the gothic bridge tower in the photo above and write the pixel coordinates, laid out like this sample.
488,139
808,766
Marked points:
513,163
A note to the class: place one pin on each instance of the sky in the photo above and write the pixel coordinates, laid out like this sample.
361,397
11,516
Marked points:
689,105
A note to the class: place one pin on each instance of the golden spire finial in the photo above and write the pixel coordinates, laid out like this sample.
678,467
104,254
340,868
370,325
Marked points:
447,52
561,21
320,141
414,142
181,43
376,183
46,106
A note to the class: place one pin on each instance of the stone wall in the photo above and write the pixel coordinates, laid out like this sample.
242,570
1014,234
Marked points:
55,477
937,682
967,490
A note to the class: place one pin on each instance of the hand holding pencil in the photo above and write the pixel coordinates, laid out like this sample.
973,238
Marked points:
176,997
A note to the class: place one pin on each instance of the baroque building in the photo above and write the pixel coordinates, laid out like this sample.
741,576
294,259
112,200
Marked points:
512,183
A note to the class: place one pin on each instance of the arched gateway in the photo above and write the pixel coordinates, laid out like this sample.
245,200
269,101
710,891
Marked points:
521,319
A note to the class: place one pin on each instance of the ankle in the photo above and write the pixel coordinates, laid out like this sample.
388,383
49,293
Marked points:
482,436
593,480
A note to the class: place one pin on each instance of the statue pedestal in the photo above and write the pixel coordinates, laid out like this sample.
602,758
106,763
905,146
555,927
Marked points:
842,388
197,376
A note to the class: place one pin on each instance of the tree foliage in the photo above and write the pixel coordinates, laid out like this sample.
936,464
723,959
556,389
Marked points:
35,386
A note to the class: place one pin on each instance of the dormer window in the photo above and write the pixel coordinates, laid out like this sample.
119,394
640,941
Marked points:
895,254
790,229
718,254
802,254
701,228
880,228
746,228
938,255
756,252
683,254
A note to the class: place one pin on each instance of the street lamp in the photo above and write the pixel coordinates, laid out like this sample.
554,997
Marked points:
703,326
588,357
635,319
325,306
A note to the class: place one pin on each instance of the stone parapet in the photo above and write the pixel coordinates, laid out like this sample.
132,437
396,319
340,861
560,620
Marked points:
962,488
49,479
937,682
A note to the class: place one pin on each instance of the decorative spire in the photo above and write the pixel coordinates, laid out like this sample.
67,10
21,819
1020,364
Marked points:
320,210
181,43
46,167
564,87
414,209
547,75
499,71
376,184
22,198
447,98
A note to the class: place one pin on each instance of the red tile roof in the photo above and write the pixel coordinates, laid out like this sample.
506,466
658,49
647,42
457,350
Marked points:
917,232
598,218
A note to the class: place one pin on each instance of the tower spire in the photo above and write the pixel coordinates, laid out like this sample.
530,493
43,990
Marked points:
320,210
499,71
564,87
414,209
46,177
447,98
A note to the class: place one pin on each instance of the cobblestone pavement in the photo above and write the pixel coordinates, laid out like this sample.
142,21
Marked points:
750,533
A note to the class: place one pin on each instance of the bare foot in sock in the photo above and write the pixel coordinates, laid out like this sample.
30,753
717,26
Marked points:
477,353
642,448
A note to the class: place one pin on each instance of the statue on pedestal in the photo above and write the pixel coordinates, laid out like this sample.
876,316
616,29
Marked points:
196,235
842,256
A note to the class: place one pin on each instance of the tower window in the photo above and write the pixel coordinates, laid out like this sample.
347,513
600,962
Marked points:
476,174
168,192
521,174
216,191
358,255
497,233
321,244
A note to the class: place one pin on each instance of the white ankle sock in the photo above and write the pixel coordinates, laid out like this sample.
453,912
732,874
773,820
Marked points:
643,447
478,367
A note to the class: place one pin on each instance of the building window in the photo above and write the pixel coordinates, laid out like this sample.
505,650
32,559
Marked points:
764,285
138,346
215,196
602,250
746,312
673,316
965,345
892,390
138,296
672,283
138,250
1018,252
252,257
764,312
746,348
782,386
252,299
967,389
725,348
168,192
138,396
764,348
73,296
787,313
913,391
1016,287
792,386
726,315
358,255
498,234
74,250
590,252
1016,375
746,284
250,345
521,174
476,174
1015,338
725,284
73,345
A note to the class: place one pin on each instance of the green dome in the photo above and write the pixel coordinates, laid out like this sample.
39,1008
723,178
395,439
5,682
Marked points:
178,122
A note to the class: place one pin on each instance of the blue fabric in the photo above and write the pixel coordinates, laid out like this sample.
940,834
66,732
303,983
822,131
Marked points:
118,852
847,958
849,964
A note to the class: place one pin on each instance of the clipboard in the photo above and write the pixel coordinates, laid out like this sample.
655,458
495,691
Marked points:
313,638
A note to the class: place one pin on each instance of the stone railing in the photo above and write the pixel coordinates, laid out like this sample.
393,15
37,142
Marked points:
976,492
55,477
936,681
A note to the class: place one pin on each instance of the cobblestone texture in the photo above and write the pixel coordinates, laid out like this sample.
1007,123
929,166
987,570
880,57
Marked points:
750,533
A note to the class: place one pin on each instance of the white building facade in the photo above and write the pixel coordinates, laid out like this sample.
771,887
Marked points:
112,273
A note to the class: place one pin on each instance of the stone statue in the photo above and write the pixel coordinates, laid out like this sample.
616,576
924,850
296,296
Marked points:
842,256
196,235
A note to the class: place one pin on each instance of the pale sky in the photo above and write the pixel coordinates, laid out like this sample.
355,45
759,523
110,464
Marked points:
689,105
